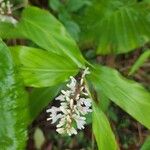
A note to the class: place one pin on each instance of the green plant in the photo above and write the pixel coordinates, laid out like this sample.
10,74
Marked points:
55,57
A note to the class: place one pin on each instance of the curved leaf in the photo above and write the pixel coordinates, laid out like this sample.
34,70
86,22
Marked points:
102,130
13,104
47,32
127,94
41,68
139,62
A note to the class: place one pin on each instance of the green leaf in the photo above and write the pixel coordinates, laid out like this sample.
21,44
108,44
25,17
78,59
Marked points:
103,100
56,5
147,1
104,136
41,68
39,98
116,26
75,5
146,145
48,33
8,30
13,104
127,94
140,61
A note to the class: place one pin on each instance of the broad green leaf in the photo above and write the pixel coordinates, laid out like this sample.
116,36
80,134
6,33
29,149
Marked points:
140,61
127,94
146,145
47,32
103,100
13,104
103,133
8,30
115,26
41,68
40,98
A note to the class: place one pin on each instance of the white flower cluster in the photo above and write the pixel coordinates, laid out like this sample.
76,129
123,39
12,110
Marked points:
5,7
74,104
6,11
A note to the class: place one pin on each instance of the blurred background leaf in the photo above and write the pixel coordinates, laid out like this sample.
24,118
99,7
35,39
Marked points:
146,145
115,26
140,61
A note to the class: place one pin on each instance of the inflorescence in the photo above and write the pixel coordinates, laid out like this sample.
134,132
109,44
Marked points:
6,12
74,105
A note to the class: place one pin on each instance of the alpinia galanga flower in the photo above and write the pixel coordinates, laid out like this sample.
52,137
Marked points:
74,105
6,12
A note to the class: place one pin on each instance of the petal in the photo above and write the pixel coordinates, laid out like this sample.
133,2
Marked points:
60,130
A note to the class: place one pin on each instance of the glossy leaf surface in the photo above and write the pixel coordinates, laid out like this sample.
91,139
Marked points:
13,104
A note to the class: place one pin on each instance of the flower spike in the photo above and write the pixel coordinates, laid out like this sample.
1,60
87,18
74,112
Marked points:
74,105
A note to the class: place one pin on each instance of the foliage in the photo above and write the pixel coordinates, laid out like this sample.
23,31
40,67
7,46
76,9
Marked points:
140,61
102,130
121,26
13,104
51,56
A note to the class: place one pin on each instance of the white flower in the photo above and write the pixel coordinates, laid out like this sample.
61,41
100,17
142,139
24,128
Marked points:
80,121
8,19
61,122
74,104
71,131
60,98
85,72
85,101
60,130
54,116
83,110
72,84
6,11
66,93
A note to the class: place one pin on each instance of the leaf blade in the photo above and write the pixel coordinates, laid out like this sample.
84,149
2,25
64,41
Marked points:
139,62
39,98
127,94
102,130
13,104
37,23
40,68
